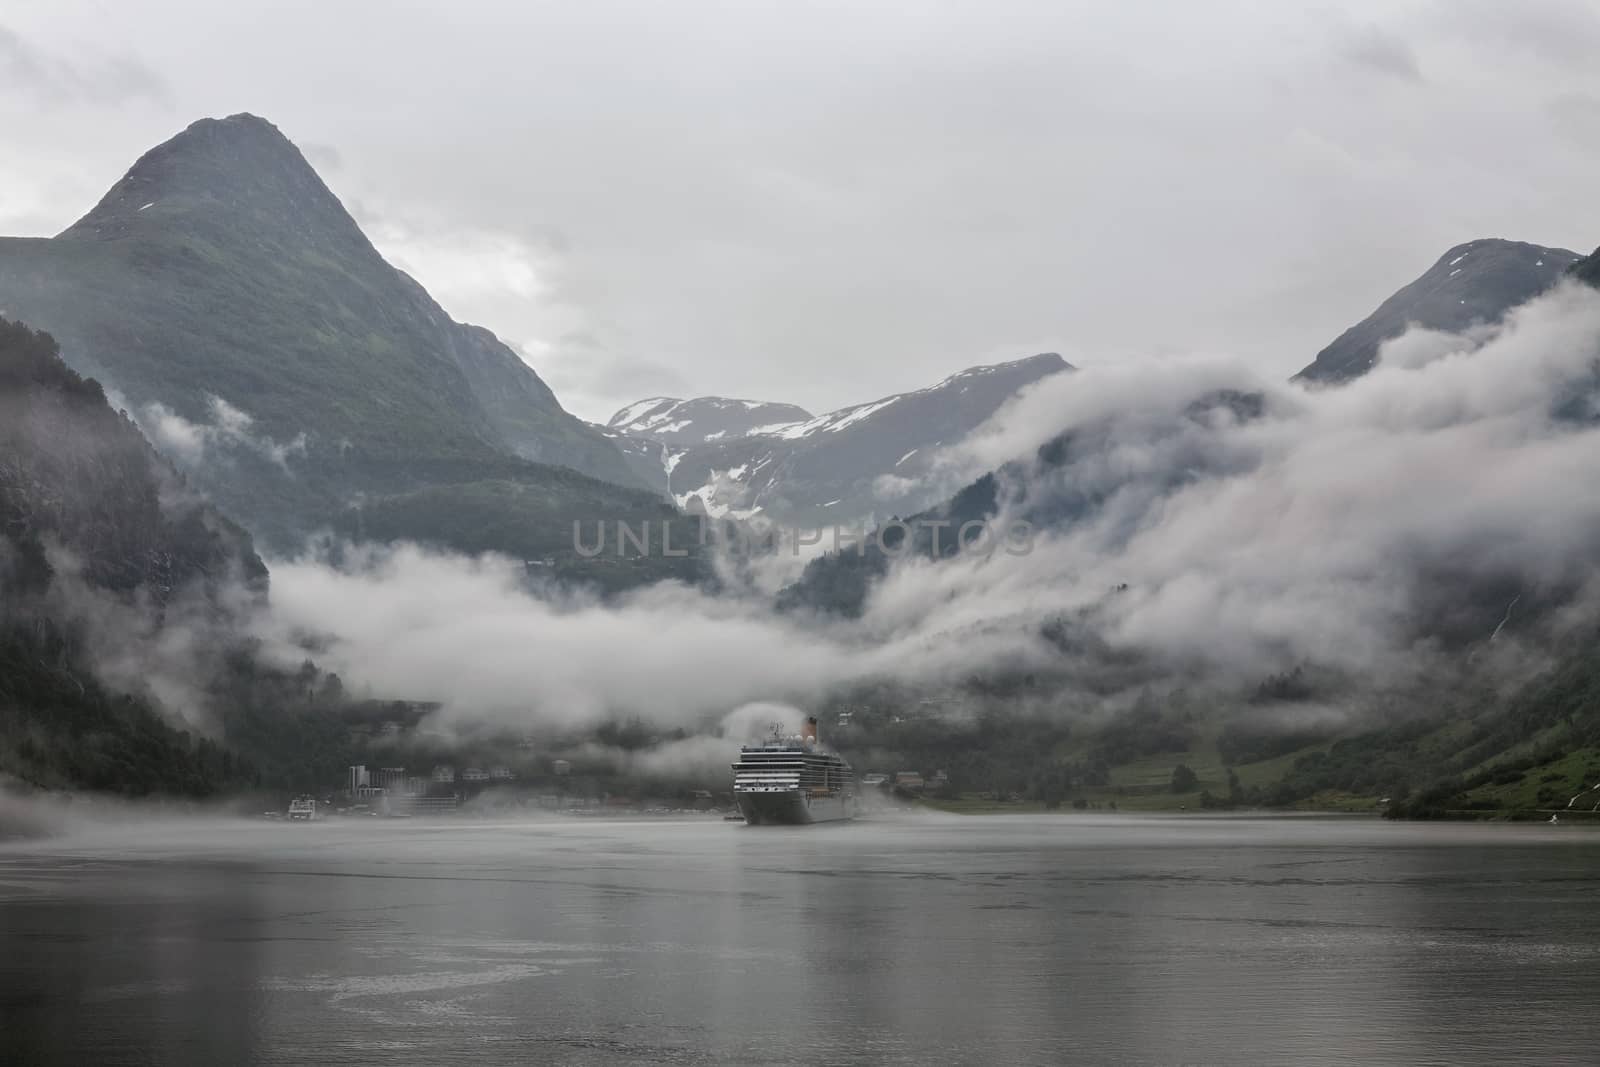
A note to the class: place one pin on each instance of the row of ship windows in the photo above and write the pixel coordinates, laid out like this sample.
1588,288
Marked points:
808,778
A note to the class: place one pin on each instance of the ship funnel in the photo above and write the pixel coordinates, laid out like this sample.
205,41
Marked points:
809,730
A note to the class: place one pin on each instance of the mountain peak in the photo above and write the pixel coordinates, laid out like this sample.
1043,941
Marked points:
1478,281
240,138
220,275
241,165
1042,364
240,126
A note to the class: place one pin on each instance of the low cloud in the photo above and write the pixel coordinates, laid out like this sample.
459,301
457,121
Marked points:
1577,117
703,757
1198,526
1314,530
51,79
468,634
167,653
520,281
1556,32
594,380
191,442
1375,49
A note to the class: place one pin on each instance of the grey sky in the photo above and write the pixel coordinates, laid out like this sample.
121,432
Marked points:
826,202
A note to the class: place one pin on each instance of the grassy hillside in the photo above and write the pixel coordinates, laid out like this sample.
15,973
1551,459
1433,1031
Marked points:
1448,746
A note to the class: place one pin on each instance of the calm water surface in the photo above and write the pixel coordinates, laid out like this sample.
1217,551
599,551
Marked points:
926,940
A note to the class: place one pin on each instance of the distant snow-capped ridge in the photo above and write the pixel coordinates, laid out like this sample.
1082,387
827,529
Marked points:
706,418
855,463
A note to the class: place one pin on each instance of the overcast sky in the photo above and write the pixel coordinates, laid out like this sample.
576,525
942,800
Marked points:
825,202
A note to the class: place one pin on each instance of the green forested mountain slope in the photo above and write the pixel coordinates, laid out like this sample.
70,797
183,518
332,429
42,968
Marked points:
93,521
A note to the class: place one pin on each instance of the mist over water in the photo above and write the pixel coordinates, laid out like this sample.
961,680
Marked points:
916,940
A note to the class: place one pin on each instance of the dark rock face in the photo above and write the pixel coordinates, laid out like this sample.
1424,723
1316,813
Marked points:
1587,269
237,310
1475,282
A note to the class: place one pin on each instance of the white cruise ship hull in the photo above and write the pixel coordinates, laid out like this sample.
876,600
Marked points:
792,807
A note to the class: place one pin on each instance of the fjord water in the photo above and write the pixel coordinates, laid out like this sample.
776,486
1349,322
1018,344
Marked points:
1103,940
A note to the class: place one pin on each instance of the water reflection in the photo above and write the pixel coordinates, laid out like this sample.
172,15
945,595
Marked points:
940,940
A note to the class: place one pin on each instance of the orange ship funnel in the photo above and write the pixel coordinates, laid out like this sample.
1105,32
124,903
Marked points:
809,730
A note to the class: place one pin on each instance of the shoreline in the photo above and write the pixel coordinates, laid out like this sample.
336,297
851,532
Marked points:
985,807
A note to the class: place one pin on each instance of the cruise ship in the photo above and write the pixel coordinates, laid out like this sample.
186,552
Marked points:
793,779
303,809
